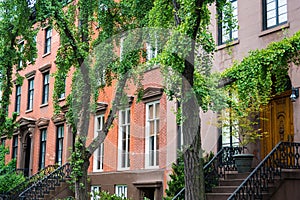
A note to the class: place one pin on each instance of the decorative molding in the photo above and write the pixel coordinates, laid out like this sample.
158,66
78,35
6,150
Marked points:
30,74
152,94
59,118
101,107
42,122
45,68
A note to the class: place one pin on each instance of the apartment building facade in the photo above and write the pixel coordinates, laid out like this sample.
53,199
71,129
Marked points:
260,22
135,158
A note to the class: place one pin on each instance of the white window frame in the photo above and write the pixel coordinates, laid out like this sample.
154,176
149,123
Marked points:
151,51
99,153
124,124
225,34
95,189
147,139
121,190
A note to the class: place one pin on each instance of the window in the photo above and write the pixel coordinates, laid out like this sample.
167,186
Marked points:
21,49
59,144
30,94
152,134
99,153
43,148
48,40
15,147
63,91
121,190
95,192
18,99
228,33
274,13
151,50
3,140
45,88
124,138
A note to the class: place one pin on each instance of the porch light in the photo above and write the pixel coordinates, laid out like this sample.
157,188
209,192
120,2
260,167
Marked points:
295,94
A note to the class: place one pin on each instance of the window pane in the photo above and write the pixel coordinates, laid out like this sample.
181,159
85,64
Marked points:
157,110
271,22
271,6
282,10
282,2
150,115
282,18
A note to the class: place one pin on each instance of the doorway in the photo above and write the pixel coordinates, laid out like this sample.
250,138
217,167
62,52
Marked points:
27,155
277,121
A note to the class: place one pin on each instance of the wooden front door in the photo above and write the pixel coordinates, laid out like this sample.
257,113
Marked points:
277,122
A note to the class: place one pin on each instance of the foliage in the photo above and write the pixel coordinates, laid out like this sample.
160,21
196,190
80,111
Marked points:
17,48
107,196
240,122
9,179
264,73
177,177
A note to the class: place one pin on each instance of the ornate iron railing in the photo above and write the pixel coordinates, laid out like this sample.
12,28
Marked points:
285,155
14,193
42,187
216,168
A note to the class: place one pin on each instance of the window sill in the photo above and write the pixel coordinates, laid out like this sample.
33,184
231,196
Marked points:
98,170
46,54
44,105
62,99
28,111
229,44
123,169
275,29
152,167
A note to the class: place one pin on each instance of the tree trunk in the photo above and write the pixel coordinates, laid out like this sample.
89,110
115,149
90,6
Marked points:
81,176
193,163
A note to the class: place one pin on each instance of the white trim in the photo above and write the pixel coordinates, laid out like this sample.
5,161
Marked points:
147,136
101,150
127,126
121,190
97,189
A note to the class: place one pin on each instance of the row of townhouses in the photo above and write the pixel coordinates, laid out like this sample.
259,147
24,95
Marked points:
136,157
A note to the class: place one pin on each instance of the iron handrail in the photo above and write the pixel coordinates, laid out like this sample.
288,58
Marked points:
14,192
43,186
282,156
217,167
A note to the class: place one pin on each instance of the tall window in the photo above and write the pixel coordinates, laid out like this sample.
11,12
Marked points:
151,50
99,153
15,146
228,33
43,148
30,94
3,140
121,190
124,138
95,192
18,99
63,91
21,49
48,40
45,88
274,13
152,134
59,144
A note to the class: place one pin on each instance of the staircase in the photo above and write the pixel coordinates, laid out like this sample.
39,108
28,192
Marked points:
264,182
48,186
45,184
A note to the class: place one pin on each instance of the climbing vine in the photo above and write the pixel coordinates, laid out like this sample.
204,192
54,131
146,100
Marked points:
264,73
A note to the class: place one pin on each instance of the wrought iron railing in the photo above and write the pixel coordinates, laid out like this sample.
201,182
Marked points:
42,187
285,155
216,168
14,193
